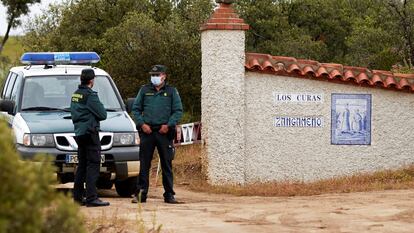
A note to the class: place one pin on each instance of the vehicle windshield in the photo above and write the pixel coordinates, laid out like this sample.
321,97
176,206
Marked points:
55,92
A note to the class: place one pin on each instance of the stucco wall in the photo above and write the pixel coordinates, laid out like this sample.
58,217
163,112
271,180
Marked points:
222,104
306,154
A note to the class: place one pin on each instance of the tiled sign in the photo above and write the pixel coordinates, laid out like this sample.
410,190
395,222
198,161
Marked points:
297,97
351,119
304,121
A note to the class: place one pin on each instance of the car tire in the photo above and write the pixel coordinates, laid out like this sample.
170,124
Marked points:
125,188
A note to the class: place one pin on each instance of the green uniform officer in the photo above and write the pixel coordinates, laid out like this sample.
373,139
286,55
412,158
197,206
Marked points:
87,111
157,109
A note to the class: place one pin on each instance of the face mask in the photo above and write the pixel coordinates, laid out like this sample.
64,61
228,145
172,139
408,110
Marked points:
156,80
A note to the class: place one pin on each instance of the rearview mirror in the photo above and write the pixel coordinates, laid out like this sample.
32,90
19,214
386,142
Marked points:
7,106
129,103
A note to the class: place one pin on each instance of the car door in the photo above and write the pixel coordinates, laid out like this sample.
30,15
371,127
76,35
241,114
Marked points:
11,86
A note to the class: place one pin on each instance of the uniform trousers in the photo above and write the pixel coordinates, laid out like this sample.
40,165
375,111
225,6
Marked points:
89,157
166,151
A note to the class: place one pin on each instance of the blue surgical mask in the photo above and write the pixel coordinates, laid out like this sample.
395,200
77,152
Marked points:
156,80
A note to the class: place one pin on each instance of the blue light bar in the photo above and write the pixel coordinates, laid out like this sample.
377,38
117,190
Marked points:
55,58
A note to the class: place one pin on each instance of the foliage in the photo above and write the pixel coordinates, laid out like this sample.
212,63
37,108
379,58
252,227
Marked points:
272,33
28,202
367,33
14,10
4,64
11,53
13,50
131,36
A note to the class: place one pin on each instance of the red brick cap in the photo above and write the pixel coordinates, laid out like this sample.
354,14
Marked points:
361,76
224,18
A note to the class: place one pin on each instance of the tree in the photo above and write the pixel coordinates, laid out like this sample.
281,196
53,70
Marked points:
15,9
271,31
403,13
142,40
131,36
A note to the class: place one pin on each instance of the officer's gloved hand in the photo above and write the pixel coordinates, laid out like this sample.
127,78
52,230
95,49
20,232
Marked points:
163,129
146,128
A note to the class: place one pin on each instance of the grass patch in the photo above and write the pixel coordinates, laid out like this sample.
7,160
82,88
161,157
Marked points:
187,168
114,224
10,56
13,49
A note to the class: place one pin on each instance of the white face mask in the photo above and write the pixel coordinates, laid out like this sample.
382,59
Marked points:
156,80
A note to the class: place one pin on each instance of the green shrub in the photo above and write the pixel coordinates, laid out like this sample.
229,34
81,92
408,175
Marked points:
28,201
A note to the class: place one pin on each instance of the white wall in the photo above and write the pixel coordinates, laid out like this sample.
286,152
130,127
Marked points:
306,154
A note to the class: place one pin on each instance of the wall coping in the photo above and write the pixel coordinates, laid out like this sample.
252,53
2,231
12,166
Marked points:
361,76
224,18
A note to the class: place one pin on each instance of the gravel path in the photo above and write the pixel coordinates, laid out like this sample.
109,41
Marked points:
385,211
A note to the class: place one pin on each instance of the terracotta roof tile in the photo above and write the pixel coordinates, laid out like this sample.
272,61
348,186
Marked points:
335,74
404,84
308,70
289,66
322,72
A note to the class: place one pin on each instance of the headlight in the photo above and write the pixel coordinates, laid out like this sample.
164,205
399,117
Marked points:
125,139
39,140
137,139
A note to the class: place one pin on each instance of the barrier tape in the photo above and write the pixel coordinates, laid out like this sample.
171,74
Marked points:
188,134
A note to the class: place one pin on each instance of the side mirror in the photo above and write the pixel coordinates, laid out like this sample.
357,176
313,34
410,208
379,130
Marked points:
7,106
129,103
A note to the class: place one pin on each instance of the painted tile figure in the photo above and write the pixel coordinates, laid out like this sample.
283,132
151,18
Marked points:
351,119
346,125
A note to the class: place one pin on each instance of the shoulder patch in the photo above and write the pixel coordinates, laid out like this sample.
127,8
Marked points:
76,97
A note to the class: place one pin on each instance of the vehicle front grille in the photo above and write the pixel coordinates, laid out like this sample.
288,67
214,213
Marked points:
62,141
66,141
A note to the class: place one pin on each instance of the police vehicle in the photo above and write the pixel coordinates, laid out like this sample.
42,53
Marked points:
35,100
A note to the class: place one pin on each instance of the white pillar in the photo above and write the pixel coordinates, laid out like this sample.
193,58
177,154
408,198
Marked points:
222,98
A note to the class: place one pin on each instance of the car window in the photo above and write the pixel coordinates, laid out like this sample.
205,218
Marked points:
10,85
106,92
16,88
56,92
5,85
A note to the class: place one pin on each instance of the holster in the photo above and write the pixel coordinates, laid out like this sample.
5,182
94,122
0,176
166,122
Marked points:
172,132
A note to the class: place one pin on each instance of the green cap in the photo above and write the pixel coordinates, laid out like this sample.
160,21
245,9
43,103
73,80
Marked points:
158,69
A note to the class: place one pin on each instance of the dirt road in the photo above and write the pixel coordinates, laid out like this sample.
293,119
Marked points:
386,211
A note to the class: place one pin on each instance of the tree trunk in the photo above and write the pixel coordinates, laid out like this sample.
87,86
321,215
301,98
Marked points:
6,36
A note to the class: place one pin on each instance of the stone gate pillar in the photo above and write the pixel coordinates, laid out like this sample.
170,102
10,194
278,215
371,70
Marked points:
222,98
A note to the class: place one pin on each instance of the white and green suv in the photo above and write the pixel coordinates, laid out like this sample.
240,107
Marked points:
35,100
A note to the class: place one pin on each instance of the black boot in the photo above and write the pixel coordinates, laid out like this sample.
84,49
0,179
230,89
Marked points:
96,203
140,197
170,200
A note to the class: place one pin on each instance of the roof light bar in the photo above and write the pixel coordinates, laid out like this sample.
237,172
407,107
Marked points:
54,58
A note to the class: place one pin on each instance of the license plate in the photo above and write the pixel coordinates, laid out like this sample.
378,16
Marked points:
74,159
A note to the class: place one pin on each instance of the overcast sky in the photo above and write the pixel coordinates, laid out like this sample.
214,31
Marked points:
34,10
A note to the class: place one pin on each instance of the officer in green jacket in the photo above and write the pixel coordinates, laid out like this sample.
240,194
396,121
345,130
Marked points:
87,111
157,109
